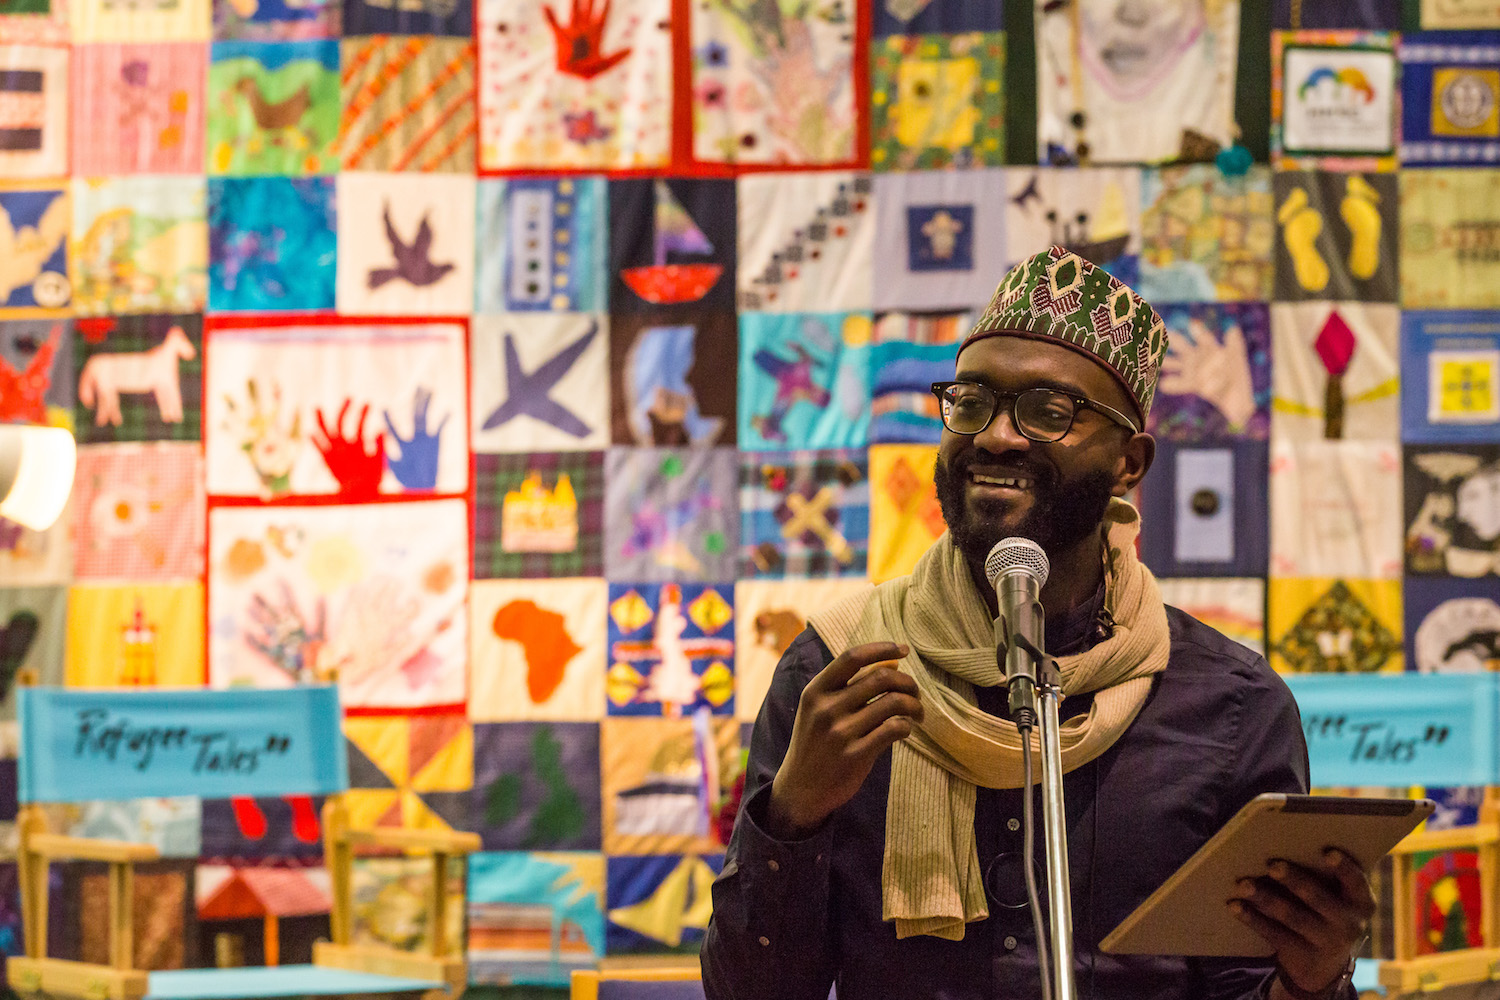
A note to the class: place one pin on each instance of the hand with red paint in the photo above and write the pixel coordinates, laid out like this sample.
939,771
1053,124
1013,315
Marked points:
580,43
357,470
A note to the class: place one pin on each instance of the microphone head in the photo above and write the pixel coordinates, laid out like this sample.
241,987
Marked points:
1016,554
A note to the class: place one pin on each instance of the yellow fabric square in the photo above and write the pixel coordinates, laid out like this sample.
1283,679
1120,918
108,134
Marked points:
385,741
451,767
145,635
1463,387
1327,625
935,102
904,513
1464,102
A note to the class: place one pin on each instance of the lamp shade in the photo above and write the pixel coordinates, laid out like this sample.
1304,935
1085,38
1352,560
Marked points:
36,473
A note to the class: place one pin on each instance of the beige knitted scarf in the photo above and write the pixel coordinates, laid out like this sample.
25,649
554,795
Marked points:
930,878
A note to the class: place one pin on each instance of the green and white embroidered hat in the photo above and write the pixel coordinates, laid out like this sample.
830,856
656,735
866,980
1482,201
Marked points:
1057,295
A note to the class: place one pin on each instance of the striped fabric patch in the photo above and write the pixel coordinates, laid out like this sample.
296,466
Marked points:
23,109
408,104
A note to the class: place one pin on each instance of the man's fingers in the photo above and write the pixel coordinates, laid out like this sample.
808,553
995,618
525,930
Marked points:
848,663
1352,880
1276,935
881,738
1316,892
875,680
1276,903
869,718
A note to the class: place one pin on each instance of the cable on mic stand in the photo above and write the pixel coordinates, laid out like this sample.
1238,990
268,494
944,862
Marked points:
1028,837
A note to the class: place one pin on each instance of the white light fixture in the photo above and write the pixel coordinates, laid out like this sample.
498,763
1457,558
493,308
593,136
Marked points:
36,473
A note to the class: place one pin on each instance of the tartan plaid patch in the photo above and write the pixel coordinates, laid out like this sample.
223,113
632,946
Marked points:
130,414
804,513
495,476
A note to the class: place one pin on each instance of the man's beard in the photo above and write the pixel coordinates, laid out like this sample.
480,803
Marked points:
1062,514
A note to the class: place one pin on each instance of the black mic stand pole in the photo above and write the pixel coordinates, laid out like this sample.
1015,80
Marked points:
1024,694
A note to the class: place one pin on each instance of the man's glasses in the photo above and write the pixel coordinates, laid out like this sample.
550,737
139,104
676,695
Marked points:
1040,414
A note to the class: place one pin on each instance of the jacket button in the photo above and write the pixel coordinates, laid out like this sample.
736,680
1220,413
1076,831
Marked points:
1009,942
773,865
1013,824
764,941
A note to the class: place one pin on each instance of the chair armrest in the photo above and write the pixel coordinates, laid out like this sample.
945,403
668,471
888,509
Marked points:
434,841
56,845
1451,839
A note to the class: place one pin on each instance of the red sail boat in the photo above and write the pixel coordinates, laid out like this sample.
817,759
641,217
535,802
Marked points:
669,284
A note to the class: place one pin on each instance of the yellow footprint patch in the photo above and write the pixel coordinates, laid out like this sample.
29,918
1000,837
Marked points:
1300,226
1363,219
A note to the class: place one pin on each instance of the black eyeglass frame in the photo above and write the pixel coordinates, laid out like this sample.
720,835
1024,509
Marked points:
939,388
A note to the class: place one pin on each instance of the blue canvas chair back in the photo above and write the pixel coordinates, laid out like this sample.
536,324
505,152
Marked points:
105,744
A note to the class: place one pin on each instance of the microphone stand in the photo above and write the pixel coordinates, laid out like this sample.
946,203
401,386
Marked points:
1023,706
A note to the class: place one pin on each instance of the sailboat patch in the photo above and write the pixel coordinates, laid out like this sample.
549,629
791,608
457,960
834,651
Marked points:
672,242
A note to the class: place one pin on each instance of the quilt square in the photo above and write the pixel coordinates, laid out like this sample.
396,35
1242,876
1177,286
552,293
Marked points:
1335,100
271,243
408,104
1203,509
1135,85
806,242
1093,211
34,128
140,109
671,649
946,242
33,632
1451,626
661,781
32,21
769,614
140,378
1453,510
273,108
36,371
804,380
171,825
536,786
1236,608
660,903
541,244
408,244
1332,626
795,101
672,380
1450,98
375,593
1206,237
135,635
1452,388
905,518
390,902
140,244
670,514
424,17
246,831
1215,381
517,900
1336,509
125,21
1352,257
937,100
909,352
539,514
537,650
35,219
1336,374
234,900
1459,14
672,243
908,17
162,906
140,511
276,20
585,88
1449,258
804,513
37,557
411,772
539,381
377,403
1381,15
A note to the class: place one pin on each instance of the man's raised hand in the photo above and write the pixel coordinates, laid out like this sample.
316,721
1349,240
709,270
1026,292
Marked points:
849,714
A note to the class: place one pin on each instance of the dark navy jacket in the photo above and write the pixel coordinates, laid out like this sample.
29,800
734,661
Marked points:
791,918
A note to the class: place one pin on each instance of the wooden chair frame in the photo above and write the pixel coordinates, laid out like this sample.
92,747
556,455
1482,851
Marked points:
1409,972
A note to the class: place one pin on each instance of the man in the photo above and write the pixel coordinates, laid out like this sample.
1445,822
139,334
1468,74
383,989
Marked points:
868,850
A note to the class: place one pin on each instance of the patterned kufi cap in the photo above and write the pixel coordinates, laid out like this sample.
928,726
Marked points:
1057,295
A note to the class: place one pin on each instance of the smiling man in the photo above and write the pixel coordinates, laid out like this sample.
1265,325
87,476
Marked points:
880,850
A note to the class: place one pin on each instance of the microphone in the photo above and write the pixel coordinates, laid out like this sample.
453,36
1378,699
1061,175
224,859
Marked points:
1017,568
